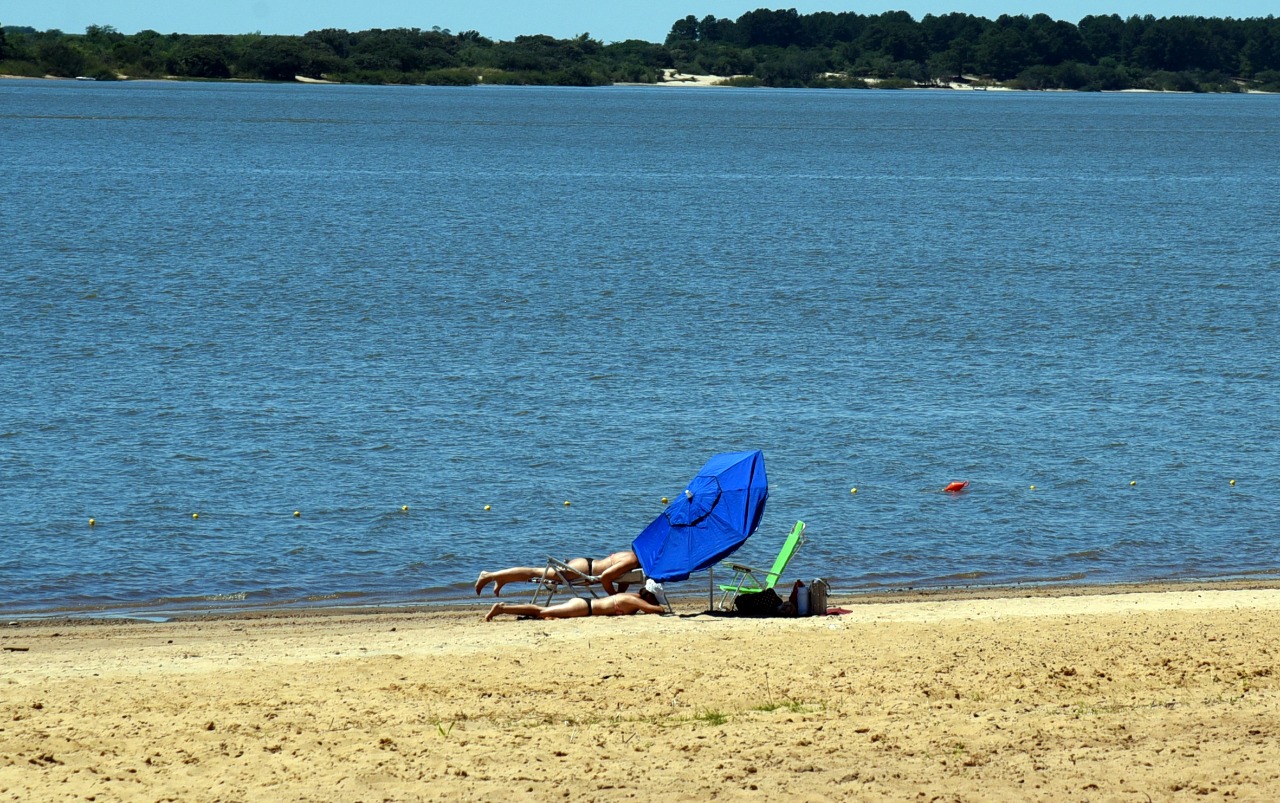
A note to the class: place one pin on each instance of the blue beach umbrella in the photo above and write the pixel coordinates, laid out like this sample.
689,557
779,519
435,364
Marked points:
717,512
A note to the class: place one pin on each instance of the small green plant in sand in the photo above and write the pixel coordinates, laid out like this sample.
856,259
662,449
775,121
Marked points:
794,706
710,716
444,732
771,704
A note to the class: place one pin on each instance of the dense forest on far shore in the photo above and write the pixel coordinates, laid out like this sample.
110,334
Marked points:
778,48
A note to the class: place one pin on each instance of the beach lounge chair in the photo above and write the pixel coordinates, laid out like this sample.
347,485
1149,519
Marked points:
562,576
747,580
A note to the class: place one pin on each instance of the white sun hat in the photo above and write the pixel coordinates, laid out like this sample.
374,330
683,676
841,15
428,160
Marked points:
655,588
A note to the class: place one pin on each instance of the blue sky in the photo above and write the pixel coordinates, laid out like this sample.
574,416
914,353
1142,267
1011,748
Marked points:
506,19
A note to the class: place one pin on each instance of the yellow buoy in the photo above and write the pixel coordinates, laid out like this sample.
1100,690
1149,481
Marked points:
92,522
195,515
297,513
1033,487
853,490
1132,483
404,508
1233,482
486,507
664,500
566,503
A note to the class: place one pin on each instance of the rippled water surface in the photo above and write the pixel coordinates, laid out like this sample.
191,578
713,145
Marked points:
246,301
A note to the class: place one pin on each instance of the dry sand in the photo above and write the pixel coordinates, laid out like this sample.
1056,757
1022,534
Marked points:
1115,696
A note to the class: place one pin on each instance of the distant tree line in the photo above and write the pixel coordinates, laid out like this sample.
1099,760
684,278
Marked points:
396,56
783,48
778,48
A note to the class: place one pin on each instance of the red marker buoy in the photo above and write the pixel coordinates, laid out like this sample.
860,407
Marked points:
956,486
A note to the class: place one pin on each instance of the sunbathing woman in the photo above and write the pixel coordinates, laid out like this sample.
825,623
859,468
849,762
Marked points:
616,605
608,569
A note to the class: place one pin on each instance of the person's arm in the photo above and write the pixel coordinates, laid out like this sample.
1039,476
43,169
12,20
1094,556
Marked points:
616,570
644,606
627,604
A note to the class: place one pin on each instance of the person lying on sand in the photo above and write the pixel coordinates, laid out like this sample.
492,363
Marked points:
608,569
615,605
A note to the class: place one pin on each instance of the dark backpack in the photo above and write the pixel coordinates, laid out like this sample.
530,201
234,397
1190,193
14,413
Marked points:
761,603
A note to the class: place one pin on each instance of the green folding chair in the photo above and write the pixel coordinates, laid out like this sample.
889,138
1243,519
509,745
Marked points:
747,580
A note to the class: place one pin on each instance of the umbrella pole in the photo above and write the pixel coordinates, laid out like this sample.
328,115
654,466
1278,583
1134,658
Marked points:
711,589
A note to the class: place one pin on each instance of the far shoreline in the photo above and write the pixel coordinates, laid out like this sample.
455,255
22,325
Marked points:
689,81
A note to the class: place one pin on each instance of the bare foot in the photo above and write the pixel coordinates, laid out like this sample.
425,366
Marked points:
495,610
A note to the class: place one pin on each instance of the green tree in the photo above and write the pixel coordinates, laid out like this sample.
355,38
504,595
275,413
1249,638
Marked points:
953,30
1260,52
723,59
400,49
1177,44
337,41
60,57
637,51
1135,28
1104,36
1269,80
1002,51
684,30
792,67
1108,75
953,62
546,54
279,58
1053,42
896,36
203,62
713,29
147,53
102,36
828,29
770,28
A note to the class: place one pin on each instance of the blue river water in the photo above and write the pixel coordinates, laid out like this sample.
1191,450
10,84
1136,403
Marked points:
425,319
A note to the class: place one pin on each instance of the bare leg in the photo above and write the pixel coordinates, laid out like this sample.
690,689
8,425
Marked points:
500,608
565,610
501,578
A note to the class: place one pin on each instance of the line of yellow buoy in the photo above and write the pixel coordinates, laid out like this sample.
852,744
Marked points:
1132,484
405,508
297,514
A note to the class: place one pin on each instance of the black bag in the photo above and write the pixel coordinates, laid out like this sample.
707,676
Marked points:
761,603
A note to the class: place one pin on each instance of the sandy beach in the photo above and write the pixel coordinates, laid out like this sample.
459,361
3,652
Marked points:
1131,694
